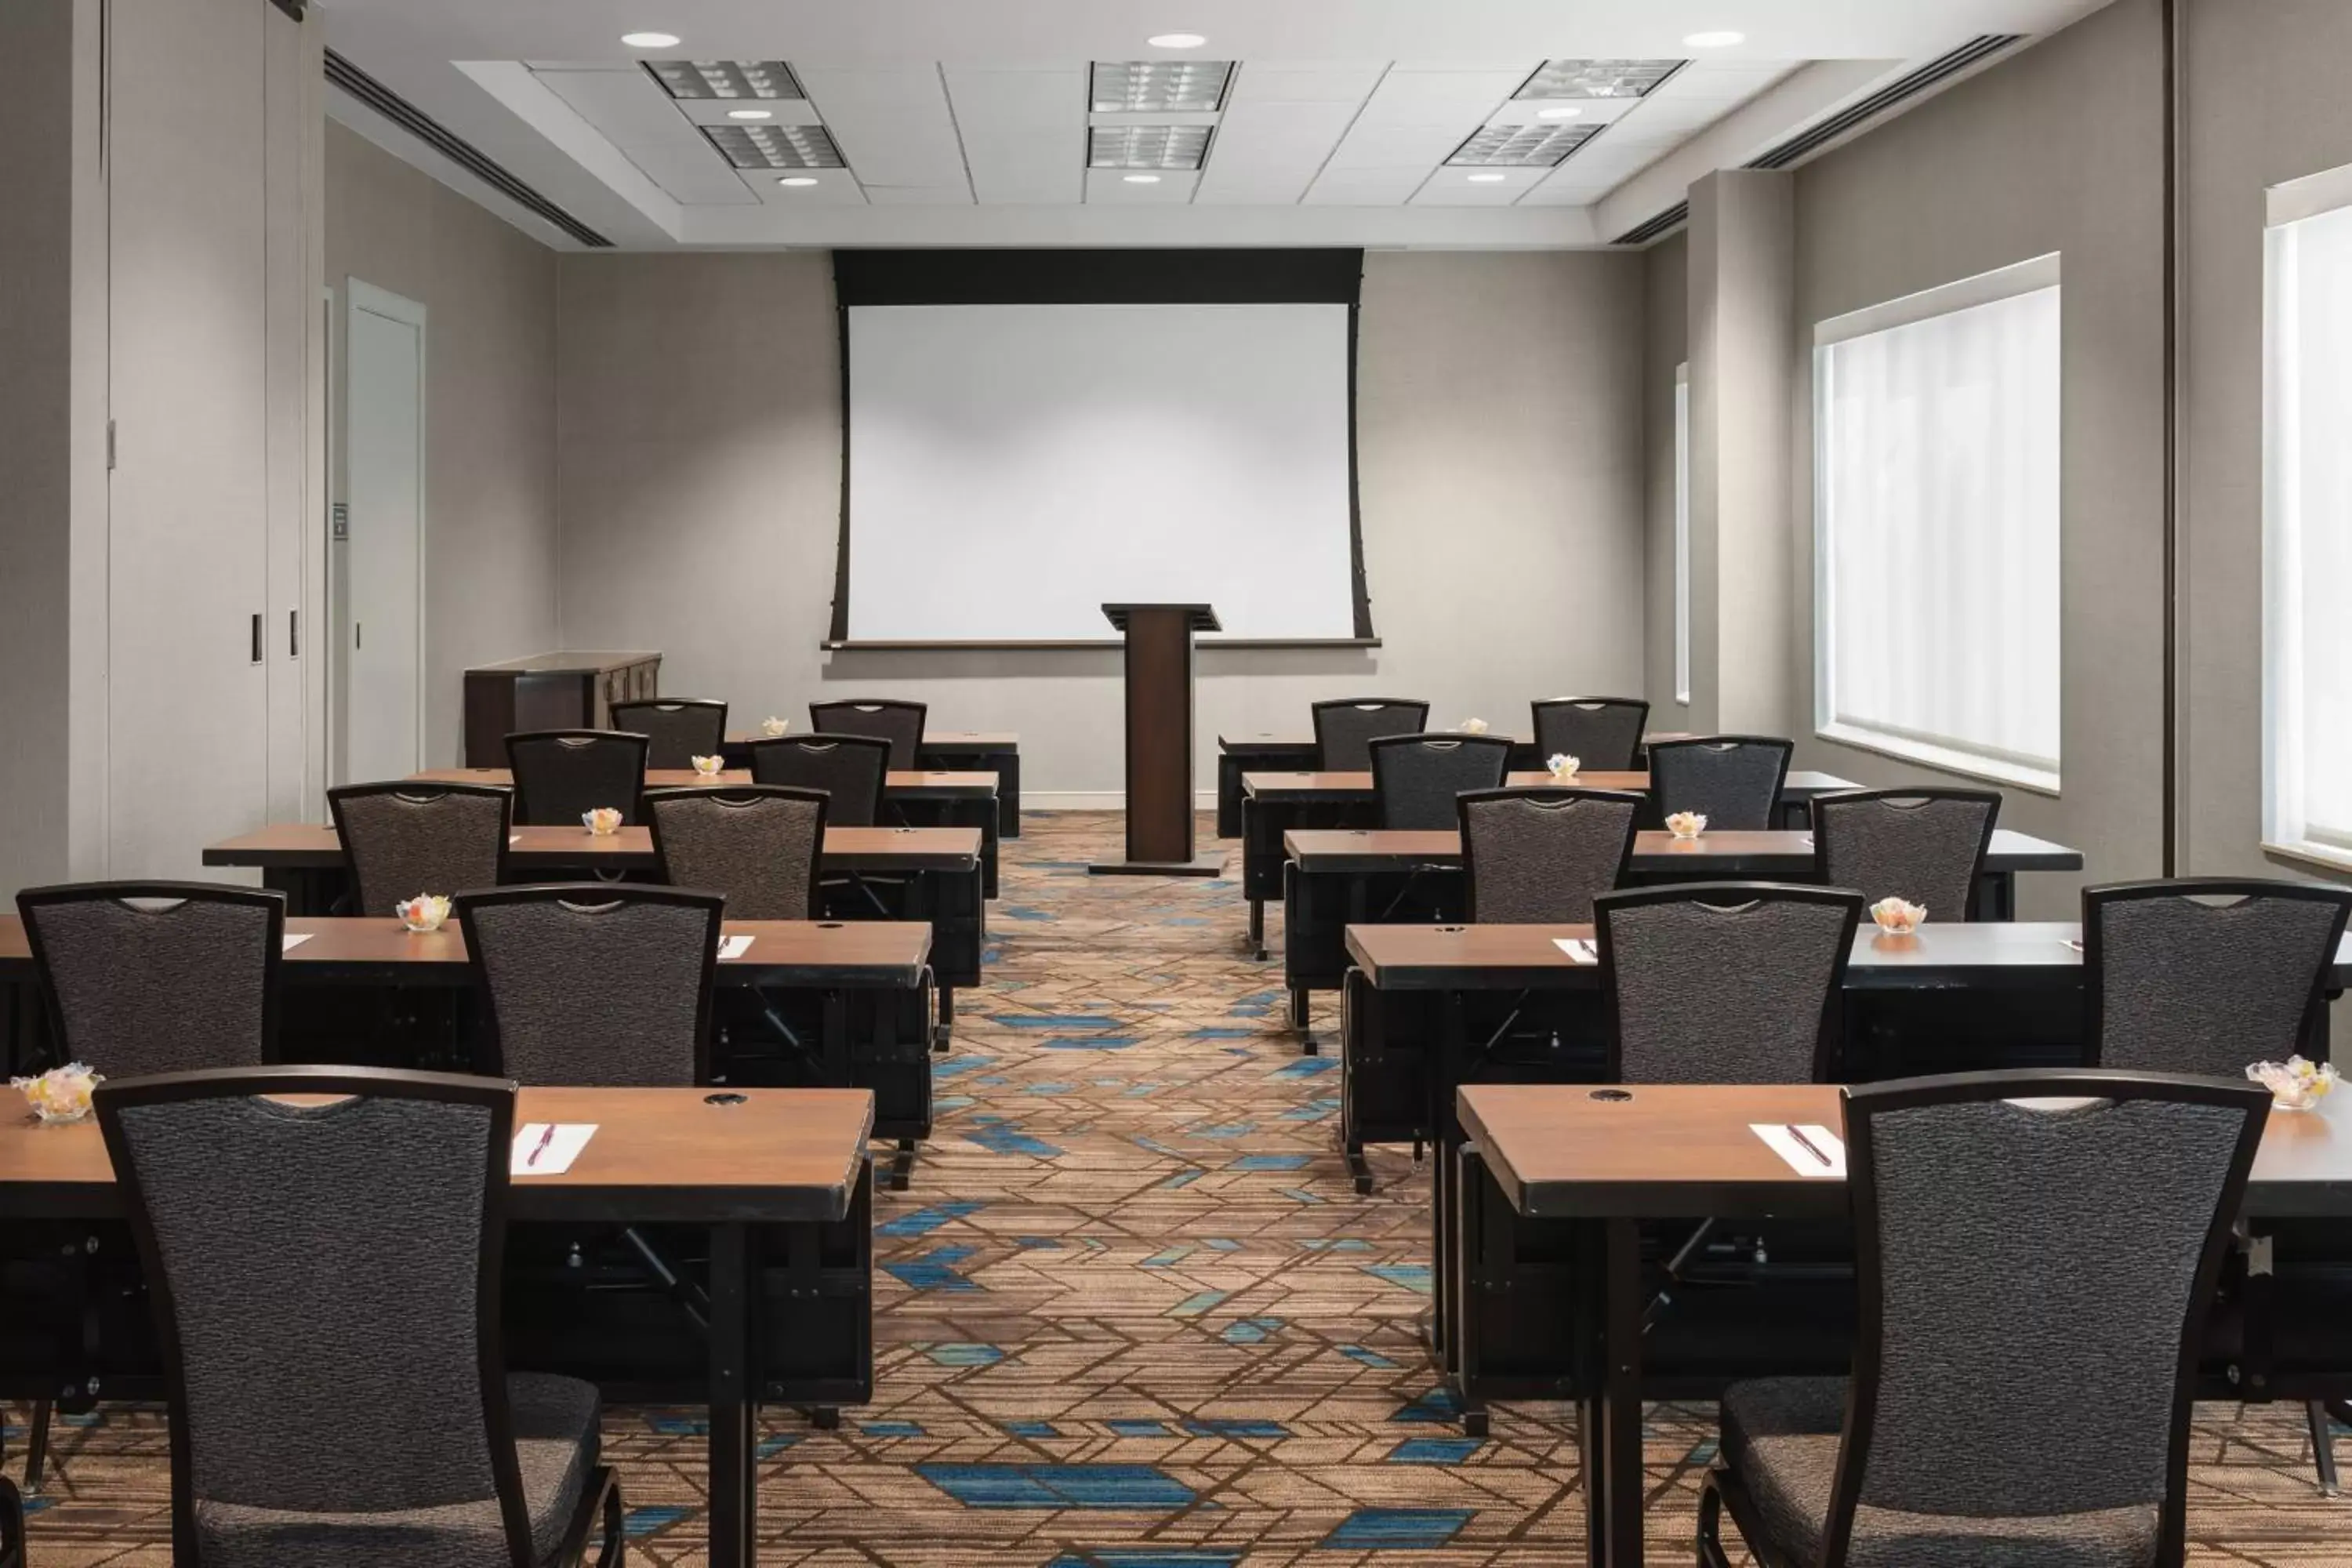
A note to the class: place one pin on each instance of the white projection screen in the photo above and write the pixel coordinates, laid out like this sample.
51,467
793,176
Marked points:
1013,466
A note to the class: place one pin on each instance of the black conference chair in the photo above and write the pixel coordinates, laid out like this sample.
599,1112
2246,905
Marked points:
560,776
2036,1253
1924,844
325,1282
677,729
760,846
896,720
1346,726
402,839
851,769
1417,779
1733,781
1540,856
1603,733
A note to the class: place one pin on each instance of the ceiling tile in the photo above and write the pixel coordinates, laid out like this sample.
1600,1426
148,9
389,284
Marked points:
834,188
1286,82
629,110
1269,152
1463,188
1112,187
1025,133
893,123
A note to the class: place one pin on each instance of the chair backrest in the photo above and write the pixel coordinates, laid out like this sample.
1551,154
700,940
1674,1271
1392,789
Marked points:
602,984
2035,1279
1733,781
1536,855
677,729
148,977
2205,974
1924,844
1603,733
1417,778
402,839
561,774
1724,981
760,845
896,721
324,1280
1346,726
851,769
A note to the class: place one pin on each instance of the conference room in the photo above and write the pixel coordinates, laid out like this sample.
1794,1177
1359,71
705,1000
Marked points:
1171,783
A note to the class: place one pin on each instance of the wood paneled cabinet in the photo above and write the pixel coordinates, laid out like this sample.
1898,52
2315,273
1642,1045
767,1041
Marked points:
551,692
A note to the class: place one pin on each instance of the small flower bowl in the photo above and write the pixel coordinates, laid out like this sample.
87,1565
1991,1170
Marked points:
1898,917
709,767
1471,727
774,727
2294,1084
1686,824
604,822
423,913
60,1094
1563,766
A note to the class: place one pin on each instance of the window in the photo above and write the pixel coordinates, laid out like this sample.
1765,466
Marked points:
2307,525
1936,527
1682,534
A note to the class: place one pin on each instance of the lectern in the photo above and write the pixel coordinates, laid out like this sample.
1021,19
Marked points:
1159,740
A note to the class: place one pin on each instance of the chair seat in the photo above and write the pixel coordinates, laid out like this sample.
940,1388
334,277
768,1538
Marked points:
556,1446
1781,1438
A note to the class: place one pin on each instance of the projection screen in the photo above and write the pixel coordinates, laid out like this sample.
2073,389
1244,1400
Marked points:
1014,464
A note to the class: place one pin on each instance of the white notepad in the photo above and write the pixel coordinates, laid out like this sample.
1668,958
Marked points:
1580,949
292,942
556,1155
733,946
1801,1160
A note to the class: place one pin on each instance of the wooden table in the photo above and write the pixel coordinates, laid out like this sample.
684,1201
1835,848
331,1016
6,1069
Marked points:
857,993
936,872
912,799
994,752
1277,805
1574,1175
779,1184
1336,877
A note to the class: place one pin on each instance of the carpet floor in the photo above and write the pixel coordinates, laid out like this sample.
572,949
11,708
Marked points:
1132,1315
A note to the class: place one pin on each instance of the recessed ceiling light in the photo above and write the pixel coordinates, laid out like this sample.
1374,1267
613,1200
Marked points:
1717,40
650,40
795,182
1176,41
1486,179
1141,179
1559,112
751,114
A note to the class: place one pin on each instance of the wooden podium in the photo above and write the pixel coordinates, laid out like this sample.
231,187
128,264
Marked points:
1159,741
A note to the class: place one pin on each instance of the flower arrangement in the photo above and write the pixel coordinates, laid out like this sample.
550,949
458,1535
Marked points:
60,1094
604,822
1898,917
1686,824
2294,1084
774,727
425,912
708,767
1471,727
1563,766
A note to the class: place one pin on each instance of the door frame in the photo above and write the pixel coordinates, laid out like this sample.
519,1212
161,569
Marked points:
363,297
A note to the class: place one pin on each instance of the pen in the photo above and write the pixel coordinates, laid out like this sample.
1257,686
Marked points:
1807,1145
549,1137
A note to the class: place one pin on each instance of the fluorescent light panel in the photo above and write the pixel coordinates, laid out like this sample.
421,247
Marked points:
1597,79
1148,146
775,146
1144,86
1521,146
725,79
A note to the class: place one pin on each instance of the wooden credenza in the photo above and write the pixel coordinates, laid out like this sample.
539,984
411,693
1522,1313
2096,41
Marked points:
551,692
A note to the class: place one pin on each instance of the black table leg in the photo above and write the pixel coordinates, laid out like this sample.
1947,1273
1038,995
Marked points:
734,1480
1619,1444
943,1033
1257,930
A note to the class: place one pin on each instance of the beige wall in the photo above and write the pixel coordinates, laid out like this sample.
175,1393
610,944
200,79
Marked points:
700,450
2058,149
490,293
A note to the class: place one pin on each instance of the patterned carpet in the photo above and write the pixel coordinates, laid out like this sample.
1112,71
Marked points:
1132,1315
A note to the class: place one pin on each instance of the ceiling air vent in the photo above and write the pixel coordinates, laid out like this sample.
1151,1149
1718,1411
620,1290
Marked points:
1936,71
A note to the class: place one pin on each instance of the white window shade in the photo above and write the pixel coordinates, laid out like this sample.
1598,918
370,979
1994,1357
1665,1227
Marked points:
1682,536
1937,527
2307,526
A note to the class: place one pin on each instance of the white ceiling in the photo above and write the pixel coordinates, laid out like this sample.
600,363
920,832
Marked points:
964,123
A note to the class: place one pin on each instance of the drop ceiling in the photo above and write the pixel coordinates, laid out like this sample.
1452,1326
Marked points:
1481,123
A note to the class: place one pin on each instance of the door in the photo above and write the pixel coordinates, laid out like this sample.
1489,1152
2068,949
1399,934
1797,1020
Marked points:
382,636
